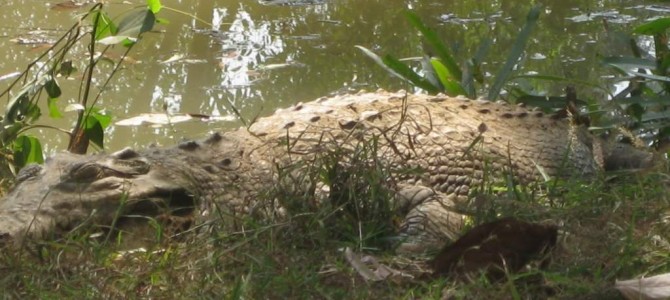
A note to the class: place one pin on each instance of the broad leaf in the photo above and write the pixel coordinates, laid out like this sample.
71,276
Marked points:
102,117
154,6
54,112
105,26
27,149
131,27
94,131
52,88
116,39
137,23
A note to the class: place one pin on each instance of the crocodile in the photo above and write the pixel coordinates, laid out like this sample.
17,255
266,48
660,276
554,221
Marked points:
454,143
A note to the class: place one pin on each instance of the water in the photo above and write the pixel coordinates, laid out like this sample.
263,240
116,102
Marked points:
257,57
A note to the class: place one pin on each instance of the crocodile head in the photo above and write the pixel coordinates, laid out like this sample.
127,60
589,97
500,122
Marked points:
72,189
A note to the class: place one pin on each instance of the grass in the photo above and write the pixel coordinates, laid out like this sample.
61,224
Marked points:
609,229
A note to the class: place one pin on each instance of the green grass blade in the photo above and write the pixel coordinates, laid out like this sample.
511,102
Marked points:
654,27
400,70
515,53
451,86
429,72
437,45
408,74
376,58
627,63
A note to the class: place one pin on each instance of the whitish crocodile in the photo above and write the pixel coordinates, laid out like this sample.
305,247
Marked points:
454,142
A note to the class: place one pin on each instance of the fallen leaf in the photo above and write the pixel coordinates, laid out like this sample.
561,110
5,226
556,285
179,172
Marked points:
498,247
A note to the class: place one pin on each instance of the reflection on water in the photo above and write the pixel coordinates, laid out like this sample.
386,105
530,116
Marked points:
245,47
255,57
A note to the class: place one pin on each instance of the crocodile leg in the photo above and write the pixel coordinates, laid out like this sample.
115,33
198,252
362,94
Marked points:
430,220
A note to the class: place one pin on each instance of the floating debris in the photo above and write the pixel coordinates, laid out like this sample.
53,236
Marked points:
497,248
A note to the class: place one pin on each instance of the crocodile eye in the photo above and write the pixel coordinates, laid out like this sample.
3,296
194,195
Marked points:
86,173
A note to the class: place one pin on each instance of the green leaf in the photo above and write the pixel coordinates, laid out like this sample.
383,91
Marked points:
451,86
132,26
154,6
651,76
428,72
481,53
515,53
32,112
96,122
654,27
27,149
628,63
137,23
54,112
400,70
94,131
378,60
102,117
437,45
408,74
52,88
472,71
105,26
53,91
115,39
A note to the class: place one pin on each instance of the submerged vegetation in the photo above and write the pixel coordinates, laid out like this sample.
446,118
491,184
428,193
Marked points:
614,227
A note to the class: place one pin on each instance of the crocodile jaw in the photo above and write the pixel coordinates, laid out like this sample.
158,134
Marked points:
45,200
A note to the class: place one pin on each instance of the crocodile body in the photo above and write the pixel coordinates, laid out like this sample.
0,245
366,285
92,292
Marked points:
454,142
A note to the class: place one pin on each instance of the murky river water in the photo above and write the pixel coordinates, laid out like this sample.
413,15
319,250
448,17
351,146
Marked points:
267,56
